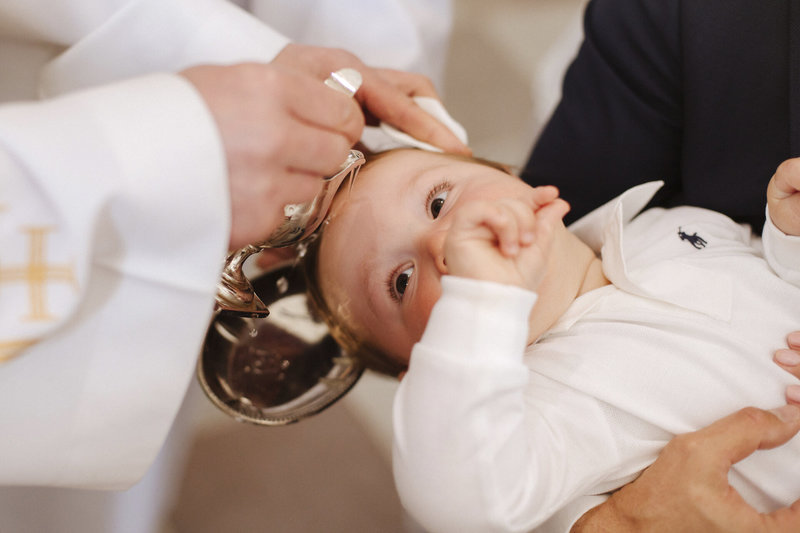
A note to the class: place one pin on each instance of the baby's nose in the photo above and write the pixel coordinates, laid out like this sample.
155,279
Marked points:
434,243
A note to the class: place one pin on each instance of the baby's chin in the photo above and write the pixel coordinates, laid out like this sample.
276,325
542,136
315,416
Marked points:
403,356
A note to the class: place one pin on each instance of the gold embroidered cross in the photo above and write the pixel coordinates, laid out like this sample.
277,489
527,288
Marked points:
37,274
10,349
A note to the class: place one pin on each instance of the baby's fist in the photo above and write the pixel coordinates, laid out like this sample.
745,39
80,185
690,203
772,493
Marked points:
783,197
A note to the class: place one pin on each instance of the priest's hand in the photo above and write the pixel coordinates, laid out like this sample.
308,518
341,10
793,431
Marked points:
385,94
282,131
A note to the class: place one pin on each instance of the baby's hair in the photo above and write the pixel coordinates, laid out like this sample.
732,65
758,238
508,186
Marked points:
369,355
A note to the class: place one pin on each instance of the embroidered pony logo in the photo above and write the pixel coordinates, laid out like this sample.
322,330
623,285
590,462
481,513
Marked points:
694,239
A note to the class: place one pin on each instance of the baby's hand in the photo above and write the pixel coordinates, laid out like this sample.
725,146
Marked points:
506,241
783,197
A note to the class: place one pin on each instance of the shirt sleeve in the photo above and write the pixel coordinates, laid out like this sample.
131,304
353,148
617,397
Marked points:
782,252
463,458
115,220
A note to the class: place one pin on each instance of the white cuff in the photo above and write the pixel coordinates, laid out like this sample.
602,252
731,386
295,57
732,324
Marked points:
479,318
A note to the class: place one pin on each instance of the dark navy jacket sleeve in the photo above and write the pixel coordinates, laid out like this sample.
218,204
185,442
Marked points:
697,93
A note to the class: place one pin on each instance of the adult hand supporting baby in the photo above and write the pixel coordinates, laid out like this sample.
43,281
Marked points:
687,488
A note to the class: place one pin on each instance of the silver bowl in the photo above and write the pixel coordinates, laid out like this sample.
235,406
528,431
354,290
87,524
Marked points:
278,369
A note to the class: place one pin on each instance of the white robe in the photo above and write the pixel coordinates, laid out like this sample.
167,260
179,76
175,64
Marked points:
114,219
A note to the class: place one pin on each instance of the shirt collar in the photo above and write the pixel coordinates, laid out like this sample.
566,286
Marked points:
603,230
608,219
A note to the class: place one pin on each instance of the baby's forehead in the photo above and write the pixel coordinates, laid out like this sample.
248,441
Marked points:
408,162
402,155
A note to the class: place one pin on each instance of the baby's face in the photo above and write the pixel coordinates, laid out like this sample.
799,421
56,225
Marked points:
380,260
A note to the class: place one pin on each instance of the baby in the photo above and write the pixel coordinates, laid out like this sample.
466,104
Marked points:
539,364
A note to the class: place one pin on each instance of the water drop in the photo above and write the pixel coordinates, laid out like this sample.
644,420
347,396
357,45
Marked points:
282,285
253,332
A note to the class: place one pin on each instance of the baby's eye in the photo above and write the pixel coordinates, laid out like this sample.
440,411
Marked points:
437,202
401,282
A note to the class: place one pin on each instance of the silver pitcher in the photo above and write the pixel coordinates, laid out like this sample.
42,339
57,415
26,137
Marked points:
278,370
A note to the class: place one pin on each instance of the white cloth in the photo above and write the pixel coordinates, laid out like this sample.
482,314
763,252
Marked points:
490,436
117,181
387,137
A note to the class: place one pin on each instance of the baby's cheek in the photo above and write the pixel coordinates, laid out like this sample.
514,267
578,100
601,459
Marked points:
418,314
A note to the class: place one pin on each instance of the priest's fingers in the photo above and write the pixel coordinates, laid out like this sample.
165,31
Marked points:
389,103
385,94
282,131
257,202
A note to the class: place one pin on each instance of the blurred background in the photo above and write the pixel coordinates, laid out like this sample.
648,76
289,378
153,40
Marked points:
332,472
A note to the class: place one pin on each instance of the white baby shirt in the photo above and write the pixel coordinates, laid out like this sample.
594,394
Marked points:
491,436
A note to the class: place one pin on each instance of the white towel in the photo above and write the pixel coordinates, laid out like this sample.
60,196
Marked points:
386,136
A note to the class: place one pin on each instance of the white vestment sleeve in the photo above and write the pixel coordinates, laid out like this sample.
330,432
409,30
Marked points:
782,252
462,455
161,35
114,220
113,224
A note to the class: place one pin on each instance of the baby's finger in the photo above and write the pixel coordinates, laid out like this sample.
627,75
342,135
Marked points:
549,215
547,220
543,195
786,180
502,221
525,218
